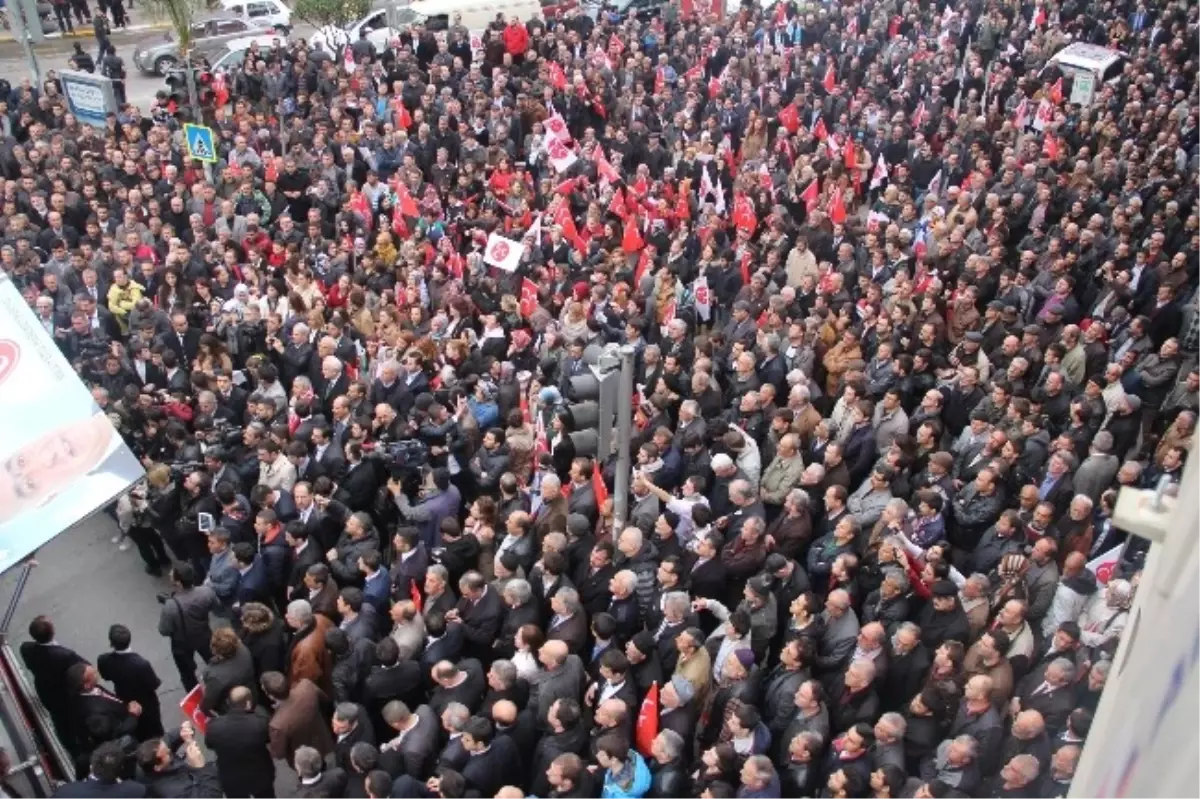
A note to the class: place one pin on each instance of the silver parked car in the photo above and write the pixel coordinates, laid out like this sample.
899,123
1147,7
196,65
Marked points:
158,55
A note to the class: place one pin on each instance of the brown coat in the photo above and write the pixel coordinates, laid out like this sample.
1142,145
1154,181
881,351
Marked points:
805,422
545,521
308,659
298,721
837,363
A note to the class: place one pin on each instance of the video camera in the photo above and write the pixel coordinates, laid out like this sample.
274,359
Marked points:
402,460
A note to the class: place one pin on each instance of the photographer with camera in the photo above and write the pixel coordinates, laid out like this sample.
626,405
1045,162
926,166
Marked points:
136,515
244,458
184,621
438,499
198,515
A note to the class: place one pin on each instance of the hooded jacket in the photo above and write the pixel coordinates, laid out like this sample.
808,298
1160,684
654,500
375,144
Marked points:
635,783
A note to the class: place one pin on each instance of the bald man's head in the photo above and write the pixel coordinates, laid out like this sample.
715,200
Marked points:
240,696
504,712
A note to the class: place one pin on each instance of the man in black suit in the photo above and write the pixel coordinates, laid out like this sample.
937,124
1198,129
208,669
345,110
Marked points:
327,455
613,682
104,777
320,528
331,383
582,497
357,488
462,682
231,396
253,585
350,726
100,714
478,614
569,623
49,662
1048,691
240,739
493,761
145,370
100,318
184,341
444,641
413,749
315,781
304,553
133,680
389,680
707,572
359,618
410,564
593,579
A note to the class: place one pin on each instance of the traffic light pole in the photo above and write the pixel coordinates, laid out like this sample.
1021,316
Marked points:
194,102
624,437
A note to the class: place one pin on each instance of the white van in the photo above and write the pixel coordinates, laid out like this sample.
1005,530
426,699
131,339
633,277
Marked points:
437,15
264,13
1088,66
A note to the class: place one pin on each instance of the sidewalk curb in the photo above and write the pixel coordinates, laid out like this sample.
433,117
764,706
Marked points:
82,32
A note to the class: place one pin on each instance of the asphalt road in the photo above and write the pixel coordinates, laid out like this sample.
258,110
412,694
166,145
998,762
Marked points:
140,88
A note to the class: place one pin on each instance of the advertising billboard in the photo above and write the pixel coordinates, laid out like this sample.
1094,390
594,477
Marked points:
89,97
60,457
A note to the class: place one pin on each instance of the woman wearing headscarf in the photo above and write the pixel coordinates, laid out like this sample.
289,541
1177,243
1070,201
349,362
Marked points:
1106,614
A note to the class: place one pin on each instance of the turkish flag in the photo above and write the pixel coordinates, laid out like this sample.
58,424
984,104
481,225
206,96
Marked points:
789,117
1050,147
837,207
272,172
399,226
1056,92
604,169
647,721
599,488
414,593
642,265
849,158
683,210
743,214
747,256
562,218
819,130
631,239
830,81
403,117
811,195
529,297
714,88
558,78
195,697
617,205
406,204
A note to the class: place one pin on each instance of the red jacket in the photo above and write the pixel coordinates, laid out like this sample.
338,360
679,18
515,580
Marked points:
516,40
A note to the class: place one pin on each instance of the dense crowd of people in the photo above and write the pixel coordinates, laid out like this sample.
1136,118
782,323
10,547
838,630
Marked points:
905,317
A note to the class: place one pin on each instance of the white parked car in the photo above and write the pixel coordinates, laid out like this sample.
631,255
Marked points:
263,13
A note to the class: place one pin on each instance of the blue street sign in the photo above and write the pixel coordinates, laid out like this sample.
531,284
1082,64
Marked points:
200,143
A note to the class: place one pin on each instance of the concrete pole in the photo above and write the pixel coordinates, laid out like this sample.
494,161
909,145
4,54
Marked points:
624,437
22,20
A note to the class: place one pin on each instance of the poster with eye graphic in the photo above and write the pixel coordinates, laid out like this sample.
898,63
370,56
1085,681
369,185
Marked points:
60,457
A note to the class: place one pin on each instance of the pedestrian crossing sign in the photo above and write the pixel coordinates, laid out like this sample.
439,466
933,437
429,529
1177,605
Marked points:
200,143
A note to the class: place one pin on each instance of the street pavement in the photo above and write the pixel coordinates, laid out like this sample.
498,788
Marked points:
54,53
85,584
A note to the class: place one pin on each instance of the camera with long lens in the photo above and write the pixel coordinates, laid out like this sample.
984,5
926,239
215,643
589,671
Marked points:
403,460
